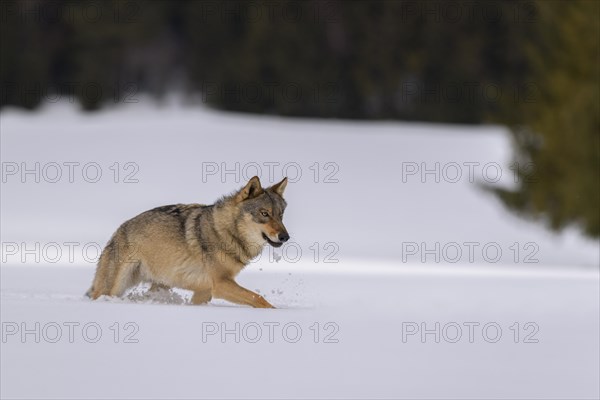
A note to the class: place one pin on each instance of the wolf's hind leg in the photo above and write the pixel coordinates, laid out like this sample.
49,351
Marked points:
126,276
155,287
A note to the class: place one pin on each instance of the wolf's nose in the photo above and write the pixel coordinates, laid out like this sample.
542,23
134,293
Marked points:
284,237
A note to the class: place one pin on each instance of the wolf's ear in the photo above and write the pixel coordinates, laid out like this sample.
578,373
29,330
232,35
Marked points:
279,188
251,190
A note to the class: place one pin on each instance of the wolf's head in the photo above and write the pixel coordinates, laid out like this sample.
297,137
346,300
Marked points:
261,211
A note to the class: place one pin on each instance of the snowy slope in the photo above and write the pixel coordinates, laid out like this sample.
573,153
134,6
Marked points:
370,212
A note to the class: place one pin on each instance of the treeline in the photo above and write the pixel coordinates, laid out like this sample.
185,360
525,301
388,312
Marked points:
532,65
417,60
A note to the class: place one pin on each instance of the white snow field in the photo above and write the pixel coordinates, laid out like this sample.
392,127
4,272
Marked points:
397,283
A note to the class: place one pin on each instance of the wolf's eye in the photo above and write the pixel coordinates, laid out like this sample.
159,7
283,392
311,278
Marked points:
264,213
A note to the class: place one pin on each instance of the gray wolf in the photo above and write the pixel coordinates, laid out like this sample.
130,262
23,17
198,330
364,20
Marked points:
197,247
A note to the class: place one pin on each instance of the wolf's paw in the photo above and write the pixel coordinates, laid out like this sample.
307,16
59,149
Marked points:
260,302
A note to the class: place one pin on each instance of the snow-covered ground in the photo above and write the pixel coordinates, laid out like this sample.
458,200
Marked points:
381,252
367,343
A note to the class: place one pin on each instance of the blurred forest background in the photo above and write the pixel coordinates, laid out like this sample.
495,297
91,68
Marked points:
531,65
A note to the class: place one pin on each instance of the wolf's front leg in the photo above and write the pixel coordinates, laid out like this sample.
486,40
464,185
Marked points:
202,296
229,290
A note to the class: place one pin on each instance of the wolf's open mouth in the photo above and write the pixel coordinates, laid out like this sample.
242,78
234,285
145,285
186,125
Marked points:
272,243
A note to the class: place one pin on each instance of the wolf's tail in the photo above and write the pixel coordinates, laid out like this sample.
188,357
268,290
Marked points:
103,271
